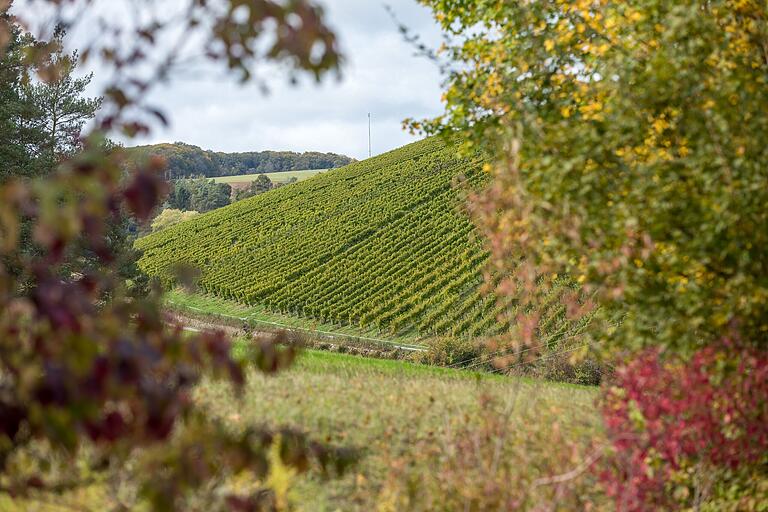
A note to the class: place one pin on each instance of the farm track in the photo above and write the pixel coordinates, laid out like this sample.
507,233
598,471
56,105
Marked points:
318,339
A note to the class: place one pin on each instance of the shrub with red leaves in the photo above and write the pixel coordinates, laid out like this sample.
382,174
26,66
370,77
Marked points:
668,418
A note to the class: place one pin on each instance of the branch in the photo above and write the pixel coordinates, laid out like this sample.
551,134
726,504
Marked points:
570,475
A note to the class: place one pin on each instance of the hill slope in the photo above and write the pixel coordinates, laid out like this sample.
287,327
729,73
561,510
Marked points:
382,243
186,160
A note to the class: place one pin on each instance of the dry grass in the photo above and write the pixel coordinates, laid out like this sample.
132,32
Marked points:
392,410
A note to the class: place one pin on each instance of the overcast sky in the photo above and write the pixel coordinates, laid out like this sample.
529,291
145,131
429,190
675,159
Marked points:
381,75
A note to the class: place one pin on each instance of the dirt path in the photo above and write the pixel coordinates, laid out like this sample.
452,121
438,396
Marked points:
319,341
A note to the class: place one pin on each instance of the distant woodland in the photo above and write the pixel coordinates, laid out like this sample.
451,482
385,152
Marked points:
186,160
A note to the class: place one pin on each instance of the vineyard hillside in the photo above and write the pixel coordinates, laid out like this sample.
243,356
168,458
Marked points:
383,244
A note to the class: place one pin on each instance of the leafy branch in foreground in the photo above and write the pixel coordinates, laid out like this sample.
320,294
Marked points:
630,159
87,369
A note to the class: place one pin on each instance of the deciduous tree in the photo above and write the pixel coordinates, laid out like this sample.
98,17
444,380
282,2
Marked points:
630,156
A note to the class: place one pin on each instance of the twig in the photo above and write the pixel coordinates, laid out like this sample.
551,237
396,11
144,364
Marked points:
570,475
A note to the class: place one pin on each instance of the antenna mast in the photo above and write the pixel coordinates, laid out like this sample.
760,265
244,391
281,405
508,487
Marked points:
369,135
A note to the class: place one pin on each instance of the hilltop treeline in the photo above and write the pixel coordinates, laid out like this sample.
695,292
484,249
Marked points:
186,160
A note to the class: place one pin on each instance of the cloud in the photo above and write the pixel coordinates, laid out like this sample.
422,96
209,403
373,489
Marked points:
381,75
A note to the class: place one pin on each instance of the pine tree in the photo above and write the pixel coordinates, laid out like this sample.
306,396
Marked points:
62,109
17,137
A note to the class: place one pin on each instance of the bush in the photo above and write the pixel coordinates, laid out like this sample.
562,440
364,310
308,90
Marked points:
169,217
558,364
451,351
687,433
562,367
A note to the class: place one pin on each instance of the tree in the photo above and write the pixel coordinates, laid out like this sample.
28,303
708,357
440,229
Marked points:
58,98
207,195
169,217
179,197
83,363
649,194
183,199
261,184
629,155
187,161
17,139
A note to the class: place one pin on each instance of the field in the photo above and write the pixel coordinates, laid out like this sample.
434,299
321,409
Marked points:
275,177
389,409
382,246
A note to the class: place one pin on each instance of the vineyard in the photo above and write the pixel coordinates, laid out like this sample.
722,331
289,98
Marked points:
383,244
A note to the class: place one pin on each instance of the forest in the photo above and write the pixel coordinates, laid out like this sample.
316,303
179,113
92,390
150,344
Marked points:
188,161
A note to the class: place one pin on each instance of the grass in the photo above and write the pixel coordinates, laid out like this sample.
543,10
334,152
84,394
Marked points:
387,409
275,177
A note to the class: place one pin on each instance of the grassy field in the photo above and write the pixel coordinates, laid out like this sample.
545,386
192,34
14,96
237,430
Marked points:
391,411
388,408
275,177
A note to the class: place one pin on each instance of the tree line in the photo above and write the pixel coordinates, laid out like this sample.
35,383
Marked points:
186,160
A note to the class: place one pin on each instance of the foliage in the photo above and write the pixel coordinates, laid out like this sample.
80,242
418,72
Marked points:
261,184
17,139
75,372
452,351
680,429
169,217
85,366
62,111
179,198
495,355
47,118
187,161
629,155
206,195
200,195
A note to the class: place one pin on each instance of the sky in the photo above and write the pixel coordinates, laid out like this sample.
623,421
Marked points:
381,75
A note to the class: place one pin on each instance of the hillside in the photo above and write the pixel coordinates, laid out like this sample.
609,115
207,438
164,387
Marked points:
185,160
381,244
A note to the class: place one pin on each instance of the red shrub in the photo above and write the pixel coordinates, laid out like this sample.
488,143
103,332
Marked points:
667,416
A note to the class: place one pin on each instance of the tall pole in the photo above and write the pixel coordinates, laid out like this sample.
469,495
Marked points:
369,135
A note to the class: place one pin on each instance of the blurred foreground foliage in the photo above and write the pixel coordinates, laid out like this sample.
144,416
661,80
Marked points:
89,370
630,157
